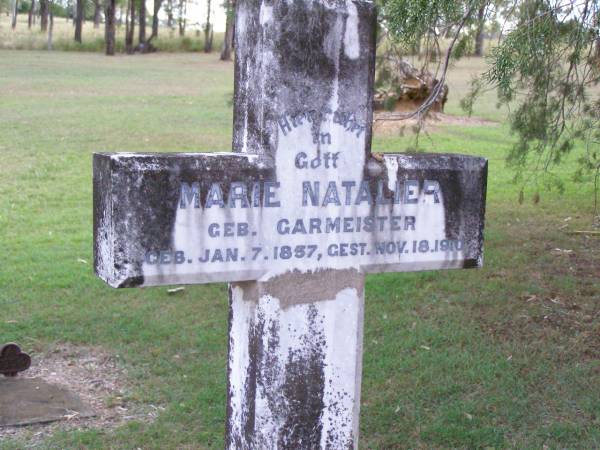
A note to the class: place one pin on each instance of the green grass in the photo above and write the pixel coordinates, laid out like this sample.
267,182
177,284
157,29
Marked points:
461,359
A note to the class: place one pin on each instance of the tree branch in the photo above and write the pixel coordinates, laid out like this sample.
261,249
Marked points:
435,93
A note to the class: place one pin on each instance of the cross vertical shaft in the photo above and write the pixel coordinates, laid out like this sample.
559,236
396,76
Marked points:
304,82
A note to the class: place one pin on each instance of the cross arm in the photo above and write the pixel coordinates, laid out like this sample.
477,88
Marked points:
137,198
198,218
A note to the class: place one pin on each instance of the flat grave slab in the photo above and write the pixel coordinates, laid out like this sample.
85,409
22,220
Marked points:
28,401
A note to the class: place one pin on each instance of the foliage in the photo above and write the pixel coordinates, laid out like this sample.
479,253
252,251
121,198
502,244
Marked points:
413,20
60,10
543,67
23,7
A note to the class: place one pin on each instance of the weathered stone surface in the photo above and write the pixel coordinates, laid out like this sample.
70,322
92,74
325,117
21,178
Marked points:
309,64
416,212
294,218
295,359
27,401
302,192
304,79
139,223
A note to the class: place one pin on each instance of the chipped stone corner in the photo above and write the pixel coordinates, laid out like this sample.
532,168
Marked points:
297,288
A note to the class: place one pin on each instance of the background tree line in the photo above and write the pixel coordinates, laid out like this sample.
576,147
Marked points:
142,20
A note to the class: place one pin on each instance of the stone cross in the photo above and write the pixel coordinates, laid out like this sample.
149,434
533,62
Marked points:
293,219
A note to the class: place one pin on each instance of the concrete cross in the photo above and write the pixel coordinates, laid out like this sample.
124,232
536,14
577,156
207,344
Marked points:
293,219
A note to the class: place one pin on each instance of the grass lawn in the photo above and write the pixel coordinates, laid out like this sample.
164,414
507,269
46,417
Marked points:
507,356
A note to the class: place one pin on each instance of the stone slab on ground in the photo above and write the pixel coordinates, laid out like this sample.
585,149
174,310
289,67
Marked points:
27,401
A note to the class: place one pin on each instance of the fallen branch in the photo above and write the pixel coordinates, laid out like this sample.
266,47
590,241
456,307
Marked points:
435,93
590,233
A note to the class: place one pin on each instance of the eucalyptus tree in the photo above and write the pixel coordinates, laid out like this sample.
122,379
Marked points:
208,29
109,26
142,26
479,34
79,16
97,13
229,6
169,10
155,22
14,13
51,27
181,18
44,10
545,65
208,32
31,14
130,26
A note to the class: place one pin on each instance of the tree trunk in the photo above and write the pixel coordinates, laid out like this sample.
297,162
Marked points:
50,30
157,4
44,15
142,25
128,8
480,31
597,21
15,10
228,41
109,27
30,16
78,20
130,31
182,10
207,30
97,9
170,14
417,47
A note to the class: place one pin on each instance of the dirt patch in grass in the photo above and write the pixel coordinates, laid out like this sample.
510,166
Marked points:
392,124
584,262
562,308
97,378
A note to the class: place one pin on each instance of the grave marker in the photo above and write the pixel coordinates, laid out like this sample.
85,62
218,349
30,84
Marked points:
29,401
13,360
293,219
